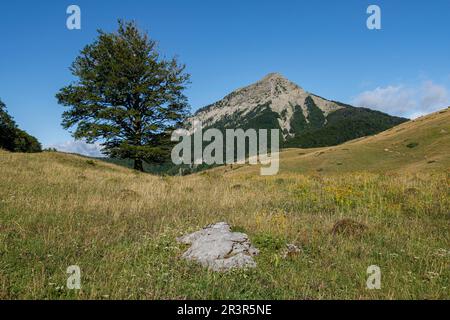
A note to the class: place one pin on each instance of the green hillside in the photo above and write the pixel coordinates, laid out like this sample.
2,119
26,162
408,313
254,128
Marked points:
340,126
418,145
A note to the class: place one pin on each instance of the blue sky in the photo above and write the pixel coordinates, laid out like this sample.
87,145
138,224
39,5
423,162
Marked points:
324,46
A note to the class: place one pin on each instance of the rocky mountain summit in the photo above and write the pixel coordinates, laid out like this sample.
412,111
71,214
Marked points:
305,119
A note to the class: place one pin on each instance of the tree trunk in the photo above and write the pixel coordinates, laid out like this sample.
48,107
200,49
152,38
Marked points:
138,165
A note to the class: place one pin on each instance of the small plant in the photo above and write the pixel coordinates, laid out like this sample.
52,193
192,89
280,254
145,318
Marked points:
90,162
127,194
238,229
267,241
412,145
412,191
348,227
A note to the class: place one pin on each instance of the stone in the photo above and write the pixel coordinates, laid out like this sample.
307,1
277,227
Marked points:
219,249
291,251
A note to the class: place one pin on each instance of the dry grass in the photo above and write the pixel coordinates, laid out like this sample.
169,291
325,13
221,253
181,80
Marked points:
120,227
389,151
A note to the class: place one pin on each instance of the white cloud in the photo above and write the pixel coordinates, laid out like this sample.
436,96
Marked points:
434,95
80,147
406,101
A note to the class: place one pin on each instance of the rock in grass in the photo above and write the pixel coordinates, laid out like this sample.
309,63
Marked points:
219,249
291,251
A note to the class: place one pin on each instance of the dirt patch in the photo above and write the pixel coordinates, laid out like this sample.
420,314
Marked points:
348,227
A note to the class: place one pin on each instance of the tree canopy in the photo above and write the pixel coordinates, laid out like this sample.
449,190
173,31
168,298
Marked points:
127,96
12,138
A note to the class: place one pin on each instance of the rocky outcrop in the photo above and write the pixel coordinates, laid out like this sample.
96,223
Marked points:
220,249
282,95
304,119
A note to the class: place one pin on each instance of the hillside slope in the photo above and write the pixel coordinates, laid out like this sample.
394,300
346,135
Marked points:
418,145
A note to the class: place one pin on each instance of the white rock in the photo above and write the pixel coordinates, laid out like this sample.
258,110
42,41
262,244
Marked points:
219,249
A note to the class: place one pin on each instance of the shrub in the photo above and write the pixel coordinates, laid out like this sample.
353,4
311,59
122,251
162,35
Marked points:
348,227
412,145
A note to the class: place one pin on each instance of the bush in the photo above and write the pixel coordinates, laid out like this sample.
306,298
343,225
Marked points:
412,145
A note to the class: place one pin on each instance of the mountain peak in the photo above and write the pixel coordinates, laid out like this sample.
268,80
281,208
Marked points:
273,76
274,80
276,102
273,93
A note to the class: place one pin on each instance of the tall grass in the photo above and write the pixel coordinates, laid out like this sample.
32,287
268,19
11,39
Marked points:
120,227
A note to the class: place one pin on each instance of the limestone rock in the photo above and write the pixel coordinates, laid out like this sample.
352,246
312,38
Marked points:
219,249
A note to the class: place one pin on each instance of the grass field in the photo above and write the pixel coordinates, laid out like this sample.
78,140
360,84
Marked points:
119,226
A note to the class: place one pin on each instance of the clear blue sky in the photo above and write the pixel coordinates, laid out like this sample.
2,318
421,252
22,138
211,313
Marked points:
324,46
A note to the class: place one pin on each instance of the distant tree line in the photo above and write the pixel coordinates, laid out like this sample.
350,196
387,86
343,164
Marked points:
14,139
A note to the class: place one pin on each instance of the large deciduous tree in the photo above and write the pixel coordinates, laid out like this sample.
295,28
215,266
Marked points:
127,96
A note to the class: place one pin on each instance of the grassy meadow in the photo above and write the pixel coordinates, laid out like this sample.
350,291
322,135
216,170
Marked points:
120,227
